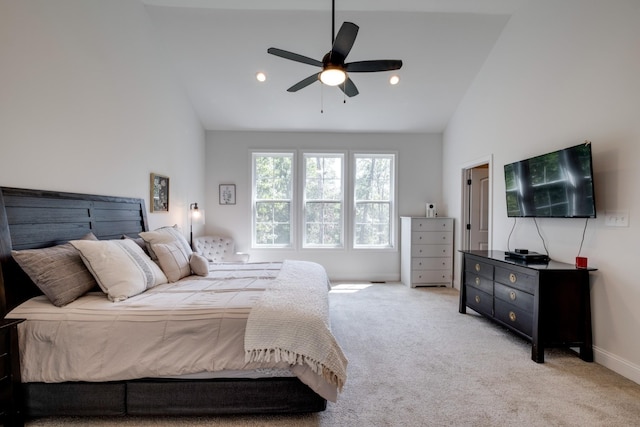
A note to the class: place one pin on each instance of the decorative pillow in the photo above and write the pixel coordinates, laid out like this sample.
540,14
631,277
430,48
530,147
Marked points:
172,259
199,264
166,235
58,271
120,267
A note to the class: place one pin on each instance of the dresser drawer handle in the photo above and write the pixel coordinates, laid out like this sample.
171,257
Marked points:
512,278
512,316
477,281
477,298
477,266
512,295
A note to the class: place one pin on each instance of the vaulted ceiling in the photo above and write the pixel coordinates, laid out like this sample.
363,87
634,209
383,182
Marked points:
216,47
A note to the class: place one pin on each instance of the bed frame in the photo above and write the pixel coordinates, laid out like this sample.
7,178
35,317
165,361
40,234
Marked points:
37,219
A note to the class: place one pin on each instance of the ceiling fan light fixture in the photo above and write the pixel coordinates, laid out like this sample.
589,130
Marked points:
394,80
260,76
333,76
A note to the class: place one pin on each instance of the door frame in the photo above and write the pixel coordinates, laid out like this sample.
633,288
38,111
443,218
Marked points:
466,203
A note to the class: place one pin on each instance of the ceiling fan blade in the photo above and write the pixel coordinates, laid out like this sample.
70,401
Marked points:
294,56
344,40
349,88
304,83
372,66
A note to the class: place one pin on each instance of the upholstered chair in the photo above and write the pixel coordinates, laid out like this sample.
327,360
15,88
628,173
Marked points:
218,249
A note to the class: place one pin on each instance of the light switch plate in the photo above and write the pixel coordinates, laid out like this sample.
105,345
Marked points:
616,218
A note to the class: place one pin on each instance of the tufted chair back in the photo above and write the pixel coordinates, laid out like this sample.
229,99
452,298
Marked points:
215,248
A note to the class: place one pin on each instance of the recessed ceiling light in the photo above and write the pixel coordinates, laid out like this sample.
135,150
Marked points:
394,80
260,76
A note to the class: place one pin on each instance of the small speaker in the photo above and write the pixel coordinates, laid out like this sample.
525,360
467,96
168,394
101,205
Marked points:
431,210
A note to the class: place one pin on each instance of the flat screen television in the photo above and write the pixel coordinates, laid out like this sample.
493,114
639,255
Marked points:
553,185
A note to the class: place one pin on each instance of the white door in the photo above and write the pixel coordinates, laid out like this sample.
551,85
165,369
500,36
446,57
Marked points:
478,203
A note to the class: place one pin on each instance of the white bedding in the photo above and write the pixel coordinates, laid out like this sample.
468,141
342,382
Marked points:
195,326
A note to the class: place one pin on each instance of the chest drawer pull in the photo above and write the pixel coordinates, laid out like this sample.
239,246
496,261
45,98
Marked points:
477,267
512,295
477,298
477,281
512,316
513,278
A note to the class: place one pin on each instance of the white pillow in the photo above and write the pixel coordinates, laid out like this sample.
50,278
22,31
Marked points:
172,259
199,264
120,267
166,235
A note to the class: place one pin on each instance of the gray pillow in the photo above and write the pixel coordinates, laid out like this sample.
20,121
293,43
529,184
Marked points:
58,271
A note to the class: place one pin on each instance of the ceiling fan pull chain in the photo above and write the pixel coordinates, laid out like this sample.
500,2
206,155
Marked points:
321,98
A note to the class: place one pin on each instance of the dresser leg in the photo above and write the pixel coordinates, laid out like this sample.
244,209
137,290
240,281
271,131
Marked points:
537,353
586,353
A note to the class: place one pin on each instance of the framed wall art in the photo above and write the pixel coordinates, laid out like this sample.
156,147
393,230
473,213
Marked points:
159,193
227,194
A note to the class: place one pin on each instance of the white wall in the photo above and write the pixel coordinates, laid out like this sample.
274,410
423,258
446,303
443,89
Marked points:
563,72
229,162
87,104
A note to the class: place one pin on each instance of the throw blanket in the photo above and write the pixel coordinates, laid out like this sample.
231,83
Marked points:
290,323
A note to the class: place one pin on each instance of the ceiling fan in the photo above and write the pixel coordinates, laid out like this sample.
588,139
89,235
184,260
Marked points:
335,72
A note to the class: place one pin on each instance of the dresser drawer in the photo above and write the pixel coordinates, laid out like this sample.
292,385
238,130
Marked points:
431,251
514,316
514,296
431,237
486,285
516,279
430,276
431,263
479,301
479,268
431,224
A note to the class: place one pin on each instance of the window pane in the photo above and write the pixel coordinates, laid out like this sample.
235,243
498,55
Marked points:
323,224
373,224
373,178
273,177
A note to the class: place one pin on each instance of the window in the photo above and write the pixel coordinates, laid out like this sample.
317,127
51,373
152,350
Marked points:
304,203
373,181
273,199
323,200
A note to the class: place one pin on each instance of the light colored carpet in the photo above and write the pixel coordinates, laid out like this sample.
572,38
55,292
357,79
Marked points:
415,361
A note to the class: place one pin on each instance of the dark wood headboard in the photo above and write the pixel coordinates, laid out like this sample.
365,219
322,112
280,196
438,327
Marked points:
36,219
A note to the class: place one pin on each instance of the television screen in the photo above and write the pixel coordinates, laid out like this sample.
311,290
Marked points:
554,185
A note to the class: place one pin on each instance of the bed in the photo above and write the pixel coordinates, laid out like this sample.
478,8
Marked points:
280,365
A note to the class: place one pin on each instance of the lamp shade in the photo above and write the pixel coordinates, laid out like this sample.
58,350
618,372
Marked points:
333,76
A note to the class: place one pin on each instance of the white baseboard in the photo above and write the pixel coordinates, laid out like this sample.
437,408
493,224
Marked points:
617,364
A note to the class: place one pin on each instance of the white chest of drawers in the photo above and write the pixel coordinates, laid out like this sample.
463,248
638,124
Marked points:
426,251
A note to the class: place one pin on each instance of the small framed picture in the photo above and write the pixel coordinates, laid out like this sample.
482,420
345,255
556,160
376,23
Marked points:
227,194
159,193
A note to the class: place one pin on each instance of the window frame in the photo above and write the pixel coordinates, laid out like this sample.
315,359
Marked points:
393,194
292,200
303,200
349,203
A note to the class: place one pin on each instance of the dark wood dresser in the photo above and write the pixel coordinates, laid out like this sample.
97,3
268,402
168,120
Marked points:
10,387
546,303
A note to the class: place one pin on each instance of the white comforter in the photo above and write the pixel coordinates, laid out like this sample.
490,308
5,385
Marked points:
193,326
